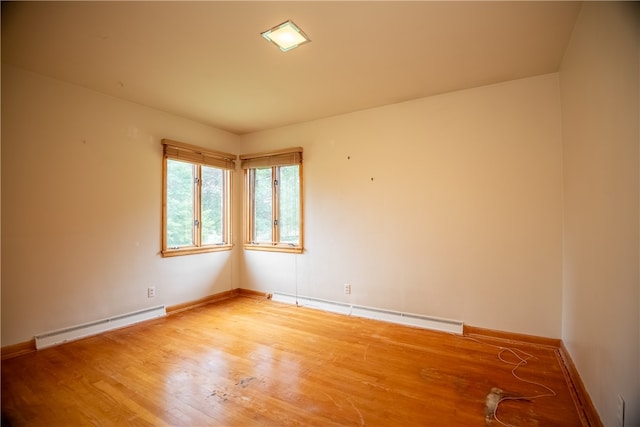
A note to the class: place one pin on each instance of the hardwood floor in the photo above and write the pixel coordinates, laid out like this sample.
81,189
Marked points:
255,362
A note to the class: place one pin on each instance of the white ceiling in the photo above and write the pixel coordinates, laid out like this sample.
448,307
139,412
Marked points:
207,61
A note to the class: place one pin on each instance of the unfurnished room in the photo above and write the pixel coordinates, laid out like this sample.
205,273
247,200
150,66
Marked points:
323,213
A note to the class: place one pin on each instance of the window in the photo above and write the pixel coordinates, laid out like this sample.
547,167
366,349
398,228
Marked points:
273,200
196,205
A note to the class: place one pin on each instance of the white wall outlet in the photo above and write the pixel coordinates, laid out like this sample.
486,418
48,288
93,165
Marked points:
620,411
347,288
151,291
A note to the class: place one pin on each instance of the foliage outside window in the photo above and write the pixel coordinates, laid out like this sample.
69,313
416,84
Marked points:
196,205
273,200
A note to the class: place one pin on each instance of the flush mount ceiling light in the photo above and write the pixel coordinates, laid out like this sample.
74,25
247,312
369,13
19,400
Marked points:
286,36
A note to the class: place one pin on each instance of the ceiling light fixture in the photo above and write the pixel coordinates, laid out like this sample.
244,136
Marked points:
286,36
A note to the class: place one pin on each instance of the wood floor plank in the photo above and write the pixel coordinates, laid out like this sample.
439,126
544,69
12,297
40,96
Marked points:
255,362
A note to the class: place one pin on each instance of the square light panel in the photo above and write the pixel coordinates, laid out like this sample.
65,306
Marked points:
286,36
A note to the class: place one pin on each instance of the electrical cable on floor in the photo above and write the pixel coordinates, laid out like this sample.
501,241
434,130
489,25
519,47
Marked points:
523,359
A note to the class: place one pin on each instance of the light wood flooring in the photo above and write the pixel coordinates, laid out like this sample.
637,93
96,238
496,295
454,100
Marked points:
255,362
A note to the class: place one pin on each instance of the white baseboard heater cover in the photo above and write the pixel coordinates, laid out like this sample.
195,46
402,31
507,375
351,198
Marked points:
84,330
407,319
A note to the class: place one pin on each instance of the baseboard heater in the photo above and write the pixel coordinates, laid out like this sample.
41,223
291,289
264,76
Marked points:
407,319
93,328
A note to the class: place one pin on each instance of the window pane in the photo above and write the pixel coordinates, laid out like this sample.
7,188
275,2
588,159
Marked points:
212,215
179,203
289,215
263,202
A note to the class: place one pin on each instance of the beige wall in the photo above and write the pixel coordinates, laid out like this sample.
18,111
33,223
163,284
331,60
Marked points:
449,206
599,91
81,200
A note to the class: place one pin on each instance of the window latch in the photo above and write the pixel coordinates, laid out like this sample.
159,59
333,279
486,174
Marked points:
275,222
196,223
275,182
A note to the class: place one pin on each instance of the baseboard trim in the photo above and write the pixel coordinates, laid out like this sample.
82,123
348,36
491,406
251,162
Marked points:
511,336
22,348
250,293
579,391
582,400
384,315
220,296
19,349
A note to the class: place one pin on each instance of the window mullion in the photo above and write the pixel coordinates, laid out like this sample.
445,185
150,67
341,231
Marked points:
275,205
197,207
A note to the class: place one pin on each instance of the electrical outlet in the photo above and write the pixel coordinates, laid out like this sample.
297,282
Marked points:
151,291
620,411
347,288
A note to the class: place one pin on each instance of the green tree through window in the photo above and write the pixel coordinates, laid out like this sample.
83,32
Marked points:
273,200
180,214
263,205
196,204
212,200
289,206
